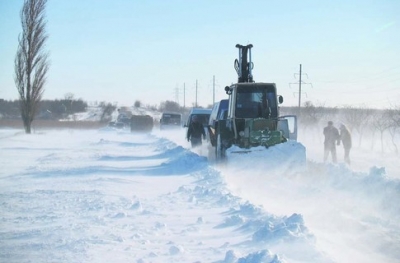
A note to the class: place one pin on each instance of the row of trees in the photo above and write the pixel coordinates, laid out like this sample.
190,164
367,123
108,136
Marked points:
61,108
362,121
46,109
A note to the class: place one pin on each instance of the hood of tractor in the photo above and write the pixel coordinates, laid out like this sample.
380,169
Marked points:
260,132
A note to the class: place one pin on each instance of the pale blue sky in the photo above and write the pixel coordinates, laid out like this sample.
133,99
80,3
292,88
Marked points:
123,51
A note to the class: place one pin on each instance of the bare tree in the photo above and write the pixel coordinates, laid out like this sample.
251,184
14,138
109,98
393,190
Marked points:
68,100
31,61
394,118
169,106
107,111
358,119
311,115
381,122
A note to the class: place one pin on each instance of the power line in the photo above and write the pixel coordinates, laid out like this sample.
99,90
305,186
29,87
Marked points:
375,76
300,82
214,84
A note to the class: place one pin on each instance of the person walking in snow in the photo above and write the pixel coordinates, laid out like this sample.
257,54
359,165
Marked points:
332,138
345,137
195,132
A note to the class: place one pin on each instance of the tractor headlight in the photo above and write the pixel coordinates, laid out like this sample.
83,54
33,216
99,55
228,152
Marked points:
241,133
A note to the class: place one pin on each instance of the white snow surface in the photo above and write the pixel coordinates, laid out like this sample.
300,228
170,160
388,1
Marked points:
114,196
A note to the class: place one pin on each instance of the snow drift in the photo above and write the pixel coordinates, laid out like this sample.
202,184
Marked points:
114,196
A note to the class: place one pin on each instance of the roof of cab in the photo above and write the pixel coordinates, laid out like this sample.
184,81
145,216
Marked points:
200,111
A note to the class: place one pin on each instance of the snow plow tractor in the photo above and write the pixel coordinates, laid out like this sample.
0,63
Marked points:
253,115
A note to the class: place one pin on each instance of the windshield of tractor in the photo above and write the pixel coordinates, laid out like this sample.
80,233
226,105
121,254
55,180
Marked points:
256,101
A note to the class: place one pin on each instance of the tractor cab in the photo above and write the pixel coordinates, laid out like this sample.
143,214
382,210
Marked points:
253,100
253,114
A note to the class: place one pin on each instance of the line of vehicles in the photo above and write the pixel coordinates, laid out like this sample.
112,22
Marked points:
173,120
248,118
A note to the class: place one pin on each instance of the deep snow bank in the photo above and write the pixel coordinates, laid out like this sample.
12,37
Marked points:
353,215
113,196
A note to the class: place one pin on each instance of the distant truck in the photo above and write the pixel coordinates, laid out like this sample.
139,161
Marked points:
141,123
170,120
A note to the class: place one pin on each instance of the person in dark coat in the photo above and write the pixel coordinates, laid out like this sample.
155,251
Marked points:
345,137
195,132
332,138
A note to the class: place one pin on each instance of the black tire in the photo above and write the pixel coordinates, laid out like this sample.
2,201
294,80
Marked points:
219,150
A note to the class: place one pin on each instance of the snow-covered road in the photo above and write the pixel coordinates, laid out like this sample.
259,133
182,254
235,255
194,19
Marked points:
113,196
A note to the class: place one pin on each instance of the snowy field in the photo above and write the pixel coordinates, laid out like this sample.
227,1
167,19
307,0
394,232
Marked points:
113,196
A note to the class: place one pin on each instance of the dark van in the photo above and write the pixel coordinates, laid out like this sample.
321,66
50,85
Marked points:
218,112
170,120
202,114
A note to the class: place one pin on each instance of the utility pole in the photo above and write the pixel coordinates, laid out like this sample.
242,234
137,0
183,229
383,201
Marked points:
300,88
214,86
196,94
184,95
213,89
300,84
